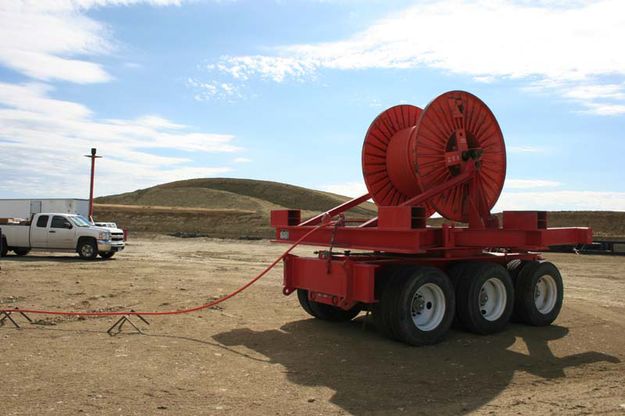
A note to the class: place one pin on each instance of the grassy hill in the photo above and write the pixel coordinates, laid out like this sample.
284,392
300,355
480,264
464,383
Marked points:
218,207
240,208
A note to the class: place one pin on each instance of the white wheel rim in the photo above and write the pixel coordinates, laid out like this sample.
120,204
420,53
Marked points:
545,294
492,299
87,250
428,307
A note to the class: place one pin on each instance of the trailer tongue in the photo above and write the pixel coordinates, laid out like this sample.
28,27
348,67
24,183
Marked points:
447,158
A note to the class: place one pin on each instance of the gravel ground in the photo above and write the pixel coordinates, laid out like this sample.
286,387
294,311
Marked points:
260,353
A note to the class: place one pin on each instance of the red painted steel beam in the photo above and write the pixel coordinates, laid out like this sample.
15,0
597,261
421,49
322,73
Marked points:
417,241
337,210
408,241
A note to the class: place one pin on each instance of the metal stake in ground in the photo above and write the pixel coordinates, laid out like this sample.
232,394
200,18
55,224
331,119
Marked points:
4,315
117,326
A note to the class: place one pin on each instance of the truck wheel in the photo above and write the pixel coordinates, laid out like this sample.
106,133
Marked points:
485,298
87,249
326,312
456,272
5,248
418,305
514,268
539,294
386,289
21,251
107,255
302,296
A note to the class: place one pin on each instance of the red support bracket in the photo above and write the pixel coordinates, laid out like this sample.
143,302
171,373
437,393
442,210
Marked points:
337,210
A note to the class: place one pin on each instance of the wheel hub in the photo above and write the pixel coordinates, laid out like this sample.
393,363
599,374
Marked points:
545,294
428,307
492,299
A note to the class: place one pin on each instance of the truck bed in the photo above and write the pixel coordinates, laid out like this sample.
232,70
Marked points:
16,235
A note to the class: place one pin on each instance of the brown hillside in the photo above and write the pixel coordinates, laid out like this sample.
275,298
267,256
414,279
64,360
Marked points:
240,208
229,208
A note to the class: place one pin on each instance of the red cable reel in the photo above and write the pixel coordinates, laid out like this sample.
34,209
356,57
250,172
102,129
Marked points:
408,151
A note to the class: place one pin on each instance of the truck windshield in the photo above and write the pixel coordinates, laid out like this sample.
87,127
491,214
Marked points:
80,221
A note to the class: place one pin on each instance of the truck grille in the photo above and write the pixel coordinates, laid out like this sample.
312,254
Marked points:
117,236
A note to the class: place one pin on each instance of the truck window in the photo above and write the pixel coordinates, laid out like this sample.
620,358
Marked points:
42,221
59,222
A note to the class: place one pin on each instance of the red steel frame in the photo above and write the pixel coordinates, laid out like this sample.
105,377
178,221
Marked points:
400,236
449,157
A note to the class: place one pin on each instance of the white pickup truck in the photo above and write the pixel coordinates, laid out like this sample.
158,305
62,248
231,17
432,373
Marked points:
61,232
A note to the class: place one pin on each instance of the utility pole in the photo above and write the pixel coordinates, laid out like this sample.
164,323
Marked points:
93,157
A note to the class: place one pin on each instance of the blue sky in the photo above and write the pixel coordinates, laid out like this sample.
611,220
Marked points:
285,90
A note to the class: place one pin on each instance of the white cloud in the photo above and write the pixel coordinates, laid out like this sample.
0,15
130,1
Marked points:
552,200
351,189
43,141
275,68
569,47
529,183
39,37
604,109
562,201
242,160
207,91
524,149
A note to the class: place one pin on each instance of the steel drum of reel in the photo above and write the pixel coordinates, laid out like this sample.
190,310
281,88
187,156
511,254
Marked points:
408,151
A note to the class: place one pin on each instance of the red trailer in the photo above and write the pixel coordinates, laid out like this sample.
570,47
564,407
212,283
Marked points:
416,279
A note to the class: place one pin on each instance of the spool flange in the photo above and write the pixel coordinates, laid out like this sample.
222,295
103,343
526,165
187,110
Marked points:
456,132
387,163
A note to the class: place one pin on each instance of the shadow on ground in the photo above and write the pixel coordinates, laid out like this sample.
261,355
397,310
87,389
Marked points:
371,374
69,258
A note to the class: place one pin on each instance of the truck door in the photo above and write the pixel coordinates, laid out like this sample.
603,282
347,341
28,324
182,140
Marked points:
39,232
61,233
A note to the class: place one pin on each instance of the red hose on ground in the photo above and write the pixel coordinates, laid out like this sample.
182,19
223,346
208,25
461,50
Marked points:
180,311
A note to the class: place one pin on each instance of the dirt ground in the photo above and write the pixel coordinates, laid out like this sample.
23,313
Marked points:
261,354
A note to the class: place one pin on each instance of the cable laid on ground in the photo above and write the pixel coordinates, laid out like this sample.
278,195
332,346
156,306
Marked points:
179,311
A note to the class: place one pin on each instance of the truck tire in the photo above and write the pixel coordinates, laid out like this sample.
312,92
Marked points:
514,268
386,288
539,294
5,248
456,272
485,297
418,305
106,255
325,312
87,249
302,296
22,251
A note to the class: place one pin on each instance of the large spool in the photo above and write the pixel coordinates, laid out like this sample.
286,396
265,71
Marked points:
408,151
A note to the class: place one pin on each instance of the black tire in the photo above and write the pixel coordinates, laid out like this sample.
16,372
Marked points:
326,312
107,254
386,289
532,306
456,272
474,310
87,249
514,268
302,296
22,251
5,248
415,294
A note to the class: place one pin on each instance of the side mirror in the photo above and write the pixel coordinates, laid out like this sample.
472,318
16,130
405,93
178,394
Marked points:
68,226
